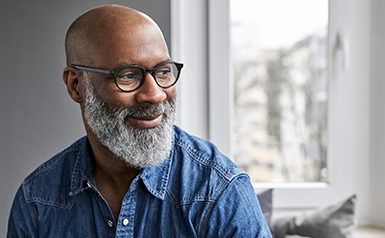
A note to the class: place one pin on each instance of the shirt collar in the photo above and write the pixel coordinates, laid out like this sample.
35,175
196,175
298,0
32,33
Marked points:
155,178
82,175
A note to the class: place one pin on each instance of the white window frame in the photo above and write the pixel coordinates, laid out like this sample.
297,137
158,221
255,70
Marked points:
200,39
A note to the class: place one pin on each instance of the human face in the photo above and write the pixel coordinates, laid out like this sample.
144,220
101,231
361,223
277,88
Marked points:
135,126
137,147
144,46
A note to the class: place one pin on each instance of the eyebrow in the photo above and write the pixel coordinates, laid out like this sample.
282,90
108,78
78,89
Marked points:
126,65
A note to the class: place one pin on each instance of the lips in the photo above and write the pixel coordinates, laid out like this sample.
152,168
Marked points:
145,122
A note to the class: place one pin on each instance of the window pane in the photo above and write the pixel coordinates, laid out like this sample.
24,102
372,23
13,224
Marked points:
280,60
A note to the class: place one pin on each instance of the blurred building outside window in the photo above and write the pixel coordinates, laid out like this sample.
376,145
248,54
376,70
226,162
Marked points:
279,51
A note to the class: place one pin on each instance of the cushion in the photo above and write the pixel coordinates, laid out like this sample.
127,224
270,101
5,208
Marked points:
266,202
335,221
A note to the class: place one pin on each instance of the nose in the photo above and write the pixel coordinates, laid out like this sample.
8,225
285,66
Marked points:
150,92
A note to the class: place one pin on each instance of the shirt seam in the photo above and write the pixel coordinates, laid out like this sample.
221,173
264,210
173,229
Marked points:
67,206
185,202
44,168
47,166
206,162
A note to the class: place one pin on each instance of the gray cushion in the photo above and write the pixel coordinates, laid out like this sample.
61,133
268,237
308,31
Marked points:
266,201
335,221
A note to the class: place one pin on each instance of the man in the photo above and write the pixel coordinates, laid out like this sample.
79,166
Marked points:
134,174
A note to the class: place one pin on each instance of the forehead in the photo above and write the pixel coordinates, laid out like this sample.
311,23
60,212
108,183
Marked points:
140,44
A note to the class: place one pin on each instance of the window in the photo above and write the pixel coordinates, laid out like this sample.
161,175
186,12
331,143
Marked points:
200,38
279,51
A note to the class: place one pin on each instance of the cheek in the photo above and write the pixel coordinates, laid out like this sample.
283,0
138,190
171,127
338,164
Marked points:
171,93
120,99
104,86
112,95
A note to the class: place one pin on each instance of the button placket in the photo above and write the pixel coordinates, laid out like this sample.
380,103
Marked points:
125,226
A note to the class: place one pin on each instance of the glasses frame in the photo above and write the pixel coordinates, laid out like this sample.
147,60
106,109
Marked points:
114,72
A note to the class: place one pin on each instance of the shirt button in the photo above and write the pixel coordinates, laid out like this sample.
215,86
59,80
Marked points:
125,222
110,224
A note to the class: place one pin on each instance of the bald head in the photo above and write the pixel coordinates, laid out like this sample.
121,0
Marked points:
95,32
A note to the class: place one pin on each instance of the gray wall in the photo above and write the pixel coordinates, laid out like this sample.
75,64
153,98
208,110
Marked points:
37,118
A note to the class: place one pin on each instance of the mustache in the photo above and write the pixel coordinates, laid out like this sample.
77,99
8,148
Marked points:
164,108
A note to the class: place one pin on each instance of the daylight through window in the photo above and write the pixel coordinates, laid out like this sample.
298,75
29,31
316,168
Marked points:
280,60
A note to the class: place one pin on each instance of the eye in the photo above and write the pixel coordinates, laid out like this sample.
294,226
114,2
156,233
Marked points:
130,74
164,72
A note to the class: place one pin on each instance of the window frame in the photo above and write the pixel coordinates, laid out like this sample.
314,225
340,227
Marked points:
343,179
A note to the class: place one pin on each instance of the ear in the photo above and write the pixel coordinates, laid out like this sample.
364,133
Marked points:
71,79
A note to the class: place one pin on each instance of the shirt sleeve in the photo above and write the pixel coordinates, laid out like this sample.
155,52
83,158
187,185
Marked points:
237,212
23,217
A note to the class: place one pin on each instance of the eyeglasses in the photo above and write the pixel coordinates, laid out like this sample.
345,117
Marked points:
130,77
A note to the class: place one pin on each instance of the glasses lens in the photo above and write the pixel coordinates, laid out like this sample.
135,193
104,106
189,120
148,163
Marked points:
129,78
166,74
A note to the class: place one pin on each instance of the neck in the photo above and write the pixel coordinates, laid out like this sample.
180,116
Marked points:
113,177
109,170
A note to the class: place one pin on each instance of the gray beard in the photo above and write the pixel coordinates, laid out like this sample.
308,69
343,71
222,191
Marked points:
137,147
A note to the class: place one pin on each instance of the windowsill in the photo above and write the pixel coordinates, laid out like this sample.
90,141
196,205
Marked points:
368,232
289,185
359,232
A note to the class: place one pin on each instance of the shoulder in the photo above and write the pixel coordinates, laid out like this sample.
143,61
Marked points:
237,213
208,182
50,183
206,154
199,170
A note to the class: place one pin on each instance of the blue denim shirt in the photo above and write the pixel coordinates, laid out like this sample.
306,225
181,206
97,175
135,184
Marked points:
196,192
